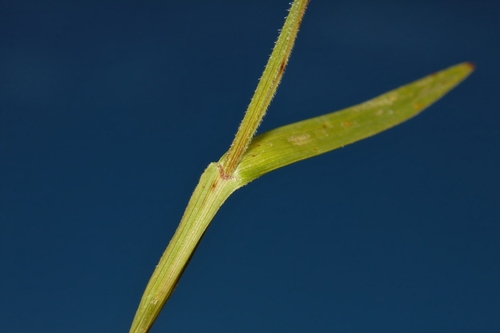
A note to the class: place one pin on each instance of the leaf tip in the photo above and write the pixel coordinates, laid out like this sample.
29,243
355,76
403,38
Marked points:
470,65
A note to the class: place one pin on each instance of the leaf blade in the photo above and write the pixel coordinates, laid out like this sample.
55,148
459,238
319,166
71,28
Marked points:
298,141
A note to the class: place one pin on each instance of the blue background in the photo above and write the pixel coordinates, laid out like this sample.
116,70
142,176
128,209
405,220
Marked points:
110,111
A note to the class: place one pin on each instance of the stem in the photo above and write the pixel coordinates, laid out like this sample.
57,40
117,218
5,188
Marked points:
210,193
216,183
266,88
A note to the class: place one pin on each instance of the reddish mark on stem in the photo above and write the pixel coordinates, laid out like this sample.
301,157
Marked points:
222,173
282,68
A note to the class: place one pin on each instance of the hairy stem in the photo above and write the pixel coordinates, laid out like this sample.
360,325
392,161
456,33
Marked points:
266,88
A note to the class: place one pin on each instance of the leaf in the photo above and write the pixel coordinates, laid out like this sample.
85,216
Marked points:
298,141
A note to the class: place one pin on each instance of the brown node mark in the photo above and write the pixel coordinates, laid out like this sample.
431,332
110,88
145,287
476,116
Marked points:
222,174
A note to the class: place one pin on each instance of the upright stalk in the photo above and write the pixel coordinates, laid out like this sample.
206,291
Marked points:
266,88
216,183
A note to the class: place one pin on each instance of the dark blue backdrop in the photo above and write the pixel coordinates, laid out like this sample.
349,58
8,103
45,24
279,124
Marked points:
110,111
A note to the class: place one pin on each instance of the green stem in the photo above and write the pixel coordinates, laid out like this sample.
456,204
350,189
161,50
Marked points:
266,88
216,183
210,193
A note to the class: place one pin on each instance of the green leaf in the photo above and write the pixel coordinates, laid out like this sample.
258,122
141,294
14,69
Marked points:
311,137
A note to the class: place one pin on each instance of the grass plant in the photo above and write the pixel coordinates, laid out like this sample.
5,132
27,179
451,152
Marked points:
250,156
